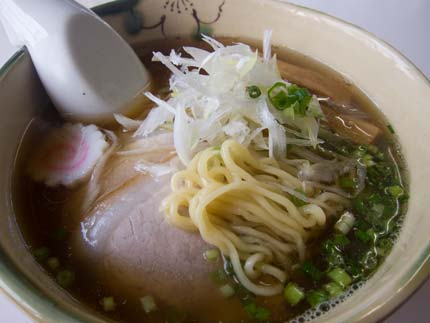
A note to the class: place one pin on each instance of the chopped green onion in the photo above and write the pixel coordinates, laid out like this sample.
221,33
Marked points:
371,234
108,304
345,223
340,277
53,263
227,291
41,253
253,91
333,289
292,97
384,246
289,113
219,276
363,236
297,201
314,109
295,107
65,278
262,314
373,149
333,254
369,261
378,208
250,308
278,96
403,198
380,156
312,271
346,182
396,191
340,240
316,297
390,128
361,151
293,294
367,160
148,304
60,234
359,205
303,98
211,255
244,295
356,270
257,312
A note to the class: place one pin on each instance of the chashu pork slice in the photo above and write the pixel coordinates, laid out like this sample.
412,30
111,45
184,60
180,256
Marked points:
127,243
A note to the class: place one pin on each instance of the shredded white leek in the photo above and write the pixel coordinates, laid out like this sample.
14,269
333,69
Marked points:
127,123
210,104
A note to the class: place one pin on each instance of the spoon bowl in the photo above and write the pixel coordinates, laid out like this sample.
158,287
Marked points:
87,69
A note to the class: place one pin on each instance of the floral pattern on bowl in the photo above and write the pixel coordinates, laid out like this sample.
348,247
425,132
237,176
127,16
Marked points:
194,14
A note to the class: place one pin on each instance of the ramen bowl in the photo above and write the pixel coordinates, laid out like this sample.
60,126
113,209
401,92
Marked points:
393,83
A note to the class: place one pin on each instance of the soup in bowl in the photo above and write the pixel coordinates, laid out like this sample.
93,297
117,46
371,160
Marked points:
270,172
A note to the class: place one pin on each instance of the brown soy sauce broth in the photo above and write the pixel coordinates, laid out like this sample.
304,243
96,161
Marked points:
39,209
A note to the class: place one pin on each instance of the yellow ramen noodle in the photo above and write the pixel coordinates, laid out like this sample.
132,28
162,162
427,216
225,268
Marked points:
243,205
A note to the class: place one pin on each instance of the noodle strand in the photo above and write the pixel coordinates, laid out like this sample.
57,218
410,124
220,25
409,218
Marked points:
237,203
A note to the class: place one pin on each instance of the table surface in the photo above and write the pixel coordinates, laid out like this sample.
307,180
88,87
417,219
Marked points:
403,24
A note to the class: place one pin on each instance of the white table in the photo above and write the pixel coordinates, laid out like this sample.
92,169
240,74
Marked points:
405,25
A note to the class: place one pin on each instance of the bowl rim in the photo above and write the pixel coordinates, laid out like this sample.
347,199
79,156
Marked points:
40,307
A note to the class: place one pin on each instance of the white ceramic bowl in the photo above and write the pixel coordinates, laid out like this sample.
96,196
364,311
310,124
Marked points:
396,86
